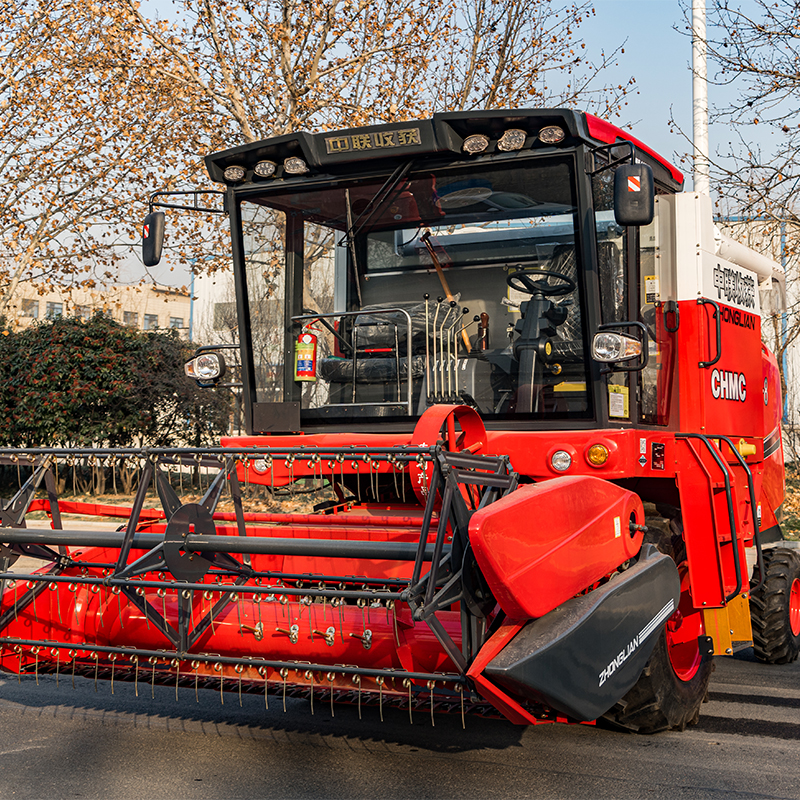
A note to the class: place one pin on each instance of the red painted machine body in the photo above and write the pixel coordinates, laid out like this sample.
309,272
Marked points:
469,488
588,537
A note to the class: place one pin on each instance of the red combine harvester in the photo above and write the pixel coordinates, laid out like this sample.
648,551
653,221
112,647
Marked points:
528,372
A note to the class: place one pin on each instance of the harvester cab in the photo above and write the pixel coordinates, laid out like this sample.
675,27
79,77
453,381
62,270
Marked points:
525,371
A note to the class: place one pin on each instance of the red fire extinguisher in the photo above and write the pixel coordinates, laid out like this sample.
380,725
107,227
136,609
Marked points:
305,356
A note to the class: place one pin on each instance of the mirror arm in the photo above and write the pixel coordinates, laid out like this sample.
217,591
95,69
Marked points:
594,151
195,193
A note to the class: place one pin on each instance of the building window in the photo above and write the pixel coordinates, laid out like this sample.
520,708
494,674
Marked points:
83,312
150,322
224,316
131,318
30,308
54,310
176,322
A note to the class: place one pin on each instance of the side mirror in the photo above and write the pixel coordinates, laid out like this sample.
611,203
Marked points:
634,195
152,238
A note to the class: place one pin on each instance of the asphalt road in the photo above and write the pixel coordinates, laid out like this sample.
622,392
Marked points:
60,742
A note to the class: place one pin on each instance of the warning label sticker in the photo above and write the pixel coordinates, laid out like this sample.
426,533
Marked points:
651,290
618,401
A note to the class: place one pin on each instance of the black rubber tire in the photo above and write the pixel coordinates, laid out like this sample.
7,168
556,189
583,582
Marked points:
773,639
660,700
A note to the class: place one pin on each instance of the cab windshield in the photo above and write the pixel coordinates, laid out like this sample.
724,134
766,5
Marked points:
378,297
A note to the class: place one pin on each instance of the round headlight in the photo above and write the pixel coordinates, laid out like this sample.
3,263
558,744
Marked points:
608,346
551,134
512,139
207,366
476,143
597,454
295,166
233,174
260,466
265,169
561,460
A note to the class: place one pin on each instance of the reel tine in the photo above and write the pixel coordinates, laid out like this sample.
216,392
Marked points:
72,654
162,593
330,677
310,674
380,680
284,674
218,668
264,672
407,683
357,681
56,651
118,592
177,664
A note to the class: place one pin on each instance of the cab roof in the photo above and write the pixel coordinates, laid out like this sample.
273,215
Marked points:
336,152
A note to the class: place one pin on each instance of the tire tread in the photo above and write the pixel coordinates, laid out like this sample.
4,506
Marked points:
660,700
773,640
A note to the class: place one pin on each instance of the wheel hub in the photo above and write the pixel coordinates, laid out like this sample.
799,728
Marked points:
794,607
683,630
675,621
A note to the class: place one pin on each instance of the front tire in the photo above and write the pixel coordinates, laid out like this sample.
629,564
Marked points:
674,684
775,608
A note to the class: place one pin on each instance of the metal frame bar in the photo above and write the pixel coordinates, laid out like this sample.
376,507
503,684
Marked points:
165,655
409,332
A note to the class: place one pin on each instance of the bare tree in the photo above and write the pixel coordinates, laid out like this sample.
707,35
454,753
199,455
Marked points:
754,54
78,132
103,103
757,52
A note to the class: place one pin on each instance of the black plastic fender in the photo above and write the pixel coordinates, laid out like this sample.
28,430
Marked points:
584,656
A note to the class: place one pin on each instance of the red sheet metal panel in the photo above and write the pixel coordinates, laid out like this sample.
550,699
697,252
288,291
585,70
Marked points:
546,542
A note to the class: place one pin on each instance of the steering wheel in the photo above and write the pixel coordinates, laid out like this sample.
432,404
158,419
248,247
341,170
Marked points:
522,281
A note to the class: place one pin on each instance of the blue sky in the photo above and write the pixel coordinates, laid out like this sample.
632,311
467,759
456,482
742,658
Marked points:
659,58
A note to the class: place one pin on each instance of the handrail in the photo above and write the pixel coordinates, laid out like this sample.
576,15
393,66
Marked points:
717,456
718,319
753,506
373,312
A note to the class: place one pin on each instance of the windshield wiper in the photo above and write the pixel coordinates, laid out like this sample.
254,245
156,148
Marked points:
354,227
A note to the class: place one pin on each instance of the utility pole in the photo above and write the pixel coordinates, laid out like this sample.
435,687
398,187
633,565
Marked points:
700,98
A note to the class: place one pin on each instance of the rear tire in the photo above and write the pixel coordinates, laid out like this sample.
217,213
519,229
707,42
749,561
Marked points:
775,608
674,684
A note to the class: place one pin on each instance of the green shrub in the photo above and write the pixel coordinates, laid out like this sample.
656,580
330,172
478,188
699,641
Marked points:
72,382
